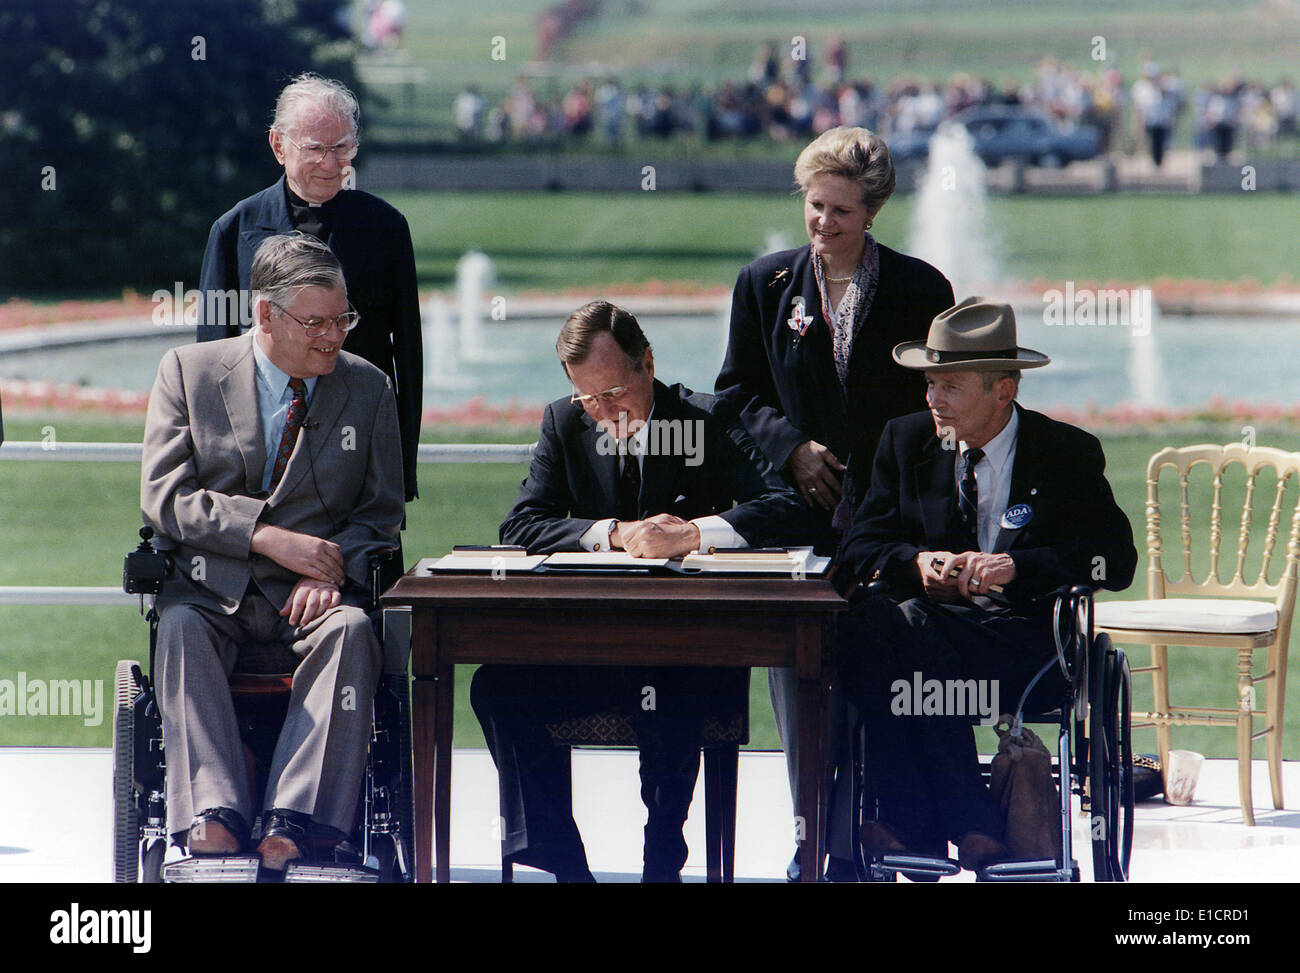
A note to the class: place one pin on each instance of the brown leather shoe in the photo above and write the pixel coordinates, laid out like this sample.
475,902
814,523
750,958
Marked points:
878,840
976,850
284,838
217,831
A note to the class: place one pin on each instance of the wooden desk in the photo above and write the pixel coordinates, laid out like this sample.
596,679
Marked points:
611,619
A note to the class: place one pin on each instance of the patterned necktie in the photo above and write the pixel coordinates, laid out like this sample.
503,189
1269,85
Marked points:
629,487
968,497
292,423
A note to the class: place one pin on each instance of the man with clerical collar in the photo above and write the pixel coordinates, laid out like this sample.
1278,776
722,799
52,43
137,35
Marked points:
314,137
624,463
979,510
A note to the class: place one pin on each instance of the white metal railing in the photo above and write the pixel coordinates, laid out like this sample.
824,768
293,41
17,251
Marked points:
54,452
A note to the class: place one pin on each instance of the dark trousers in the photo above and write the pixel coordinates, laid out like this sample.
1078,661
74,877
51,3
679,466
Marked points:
667,708
923,765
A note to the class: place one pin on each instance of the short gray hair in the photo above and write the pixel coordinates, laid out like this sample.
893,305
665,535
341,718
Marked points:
323,96
285,264
991,378
857,154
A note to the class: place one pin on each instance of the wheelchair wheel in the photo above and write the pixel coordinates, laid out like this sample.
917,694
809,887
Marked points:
1111,764
126,815
390,772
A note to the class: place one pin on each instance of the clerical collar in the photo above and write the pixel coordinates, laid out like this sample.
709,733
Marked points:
297,202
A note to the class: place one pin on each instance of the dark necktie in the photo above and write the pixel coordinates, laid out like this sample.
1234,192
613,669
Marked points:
968,498
292,423
629,487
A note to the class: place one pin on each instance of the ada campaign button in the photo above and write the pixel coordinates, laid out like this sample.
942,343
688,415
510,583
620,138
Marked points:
1016,517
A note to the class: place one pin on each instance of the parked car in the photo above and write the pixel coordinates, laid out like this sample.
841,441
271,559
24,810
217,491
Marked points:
1002,132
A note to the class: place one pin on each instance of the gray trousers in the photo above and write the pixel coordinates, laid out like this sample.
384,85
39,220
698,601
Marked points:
784,690
320,755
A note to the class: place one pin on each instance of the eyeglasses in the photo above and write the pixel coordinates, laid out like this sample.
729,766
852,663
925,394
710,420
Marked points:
314,152
315,327
607,397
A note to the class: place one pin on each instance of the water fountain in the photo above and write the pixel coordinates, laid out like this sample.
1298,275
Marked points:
1145,369
950,224
474,273
441,369
774,241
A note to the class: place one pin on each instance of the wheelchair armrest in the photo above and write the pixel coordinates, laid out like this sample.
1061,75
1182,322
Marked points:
385,569
1074,639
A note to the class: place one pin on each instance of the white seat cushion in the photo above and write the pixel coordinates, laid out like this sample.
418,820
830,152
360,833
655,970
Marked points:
1220,616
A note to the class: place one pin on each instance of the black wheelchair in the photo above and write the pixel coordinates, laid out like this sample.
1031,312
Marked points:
1091,707
379,849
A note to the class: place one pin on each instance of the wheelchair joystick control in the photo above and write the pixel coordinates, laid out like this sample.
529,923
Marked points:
144,569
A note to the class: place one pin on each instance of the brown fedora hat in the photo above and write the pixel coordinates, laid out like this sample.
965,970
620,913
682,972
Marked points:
977,335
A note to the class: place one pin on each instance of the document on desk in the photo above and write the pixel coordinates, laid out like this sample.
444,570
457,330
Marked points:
604,560
478,563
798,561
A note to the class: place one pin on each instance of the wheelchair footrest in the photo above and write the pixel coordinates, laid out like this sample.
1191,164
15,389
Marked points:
311,873
920,865
1039,870
242,868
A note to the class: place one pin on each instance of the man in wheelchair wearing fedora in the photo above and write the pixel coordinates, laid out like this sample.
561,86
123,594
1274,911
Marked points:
978,512
272,467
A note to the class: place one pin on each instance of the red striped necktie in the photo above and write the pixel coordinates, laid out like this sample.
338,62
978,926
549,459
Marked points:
292,423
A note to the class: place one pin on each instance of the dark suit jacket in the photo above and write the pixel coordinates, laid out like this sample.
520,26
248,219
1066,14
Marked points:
570,485
204,456
786,395
373,243
1058,471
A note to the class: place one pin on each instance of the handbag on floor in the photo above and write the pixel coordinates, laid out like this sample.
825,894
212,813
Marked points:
1021,783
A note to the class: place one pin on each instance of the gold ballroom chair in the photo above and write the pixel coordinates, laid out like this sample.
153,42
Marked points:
1229,614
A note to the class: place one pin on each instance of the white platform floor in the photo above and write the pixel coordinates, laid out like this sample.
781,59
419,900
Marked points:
56,822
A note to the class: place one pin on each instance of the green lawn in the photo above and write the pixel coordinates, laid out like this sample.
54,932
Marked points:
584,240
70,523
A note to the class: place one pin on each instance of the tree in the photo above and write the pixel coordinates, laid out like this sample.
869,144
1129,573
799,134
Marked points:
128,126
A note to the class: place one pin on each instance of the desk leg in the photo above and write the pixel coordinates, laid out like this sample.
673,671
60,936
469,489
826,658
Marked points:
424,709
444,706
423,726
810,667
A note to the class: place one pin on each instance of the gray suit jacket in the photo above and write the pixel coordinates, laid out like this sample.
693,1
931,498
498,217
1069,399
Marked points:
201,474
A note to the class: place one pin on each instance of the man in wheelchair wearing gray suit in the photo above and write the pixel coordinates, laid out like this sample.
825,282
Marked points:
272,468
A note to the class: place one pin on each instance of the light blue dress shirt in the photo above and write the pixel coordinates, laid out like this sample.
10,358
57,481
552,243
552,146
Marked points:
273,399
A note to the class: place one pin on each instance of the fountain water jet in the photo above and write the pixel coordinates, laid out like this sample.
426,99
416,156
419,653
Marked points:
950,224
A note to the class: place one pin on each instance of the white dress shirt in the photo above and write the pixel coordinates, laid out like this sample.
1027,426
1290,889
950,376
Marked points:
992,480
714,531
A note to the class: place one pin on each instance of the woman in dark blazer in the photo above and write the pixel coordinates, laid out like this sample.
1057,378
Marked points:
808,366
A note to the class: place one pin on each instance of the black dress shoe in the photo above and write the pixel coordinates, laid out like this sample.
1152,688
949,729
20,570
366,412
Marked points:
976,850
840,870
569,867
217,831
284,838
837,869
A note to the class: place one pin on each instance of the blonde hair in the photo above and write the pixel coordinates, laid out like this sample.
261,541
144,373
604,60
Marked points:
858,154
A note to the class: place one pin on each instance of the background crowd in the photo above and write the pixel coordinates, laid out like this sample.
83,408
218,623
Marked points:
784,99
